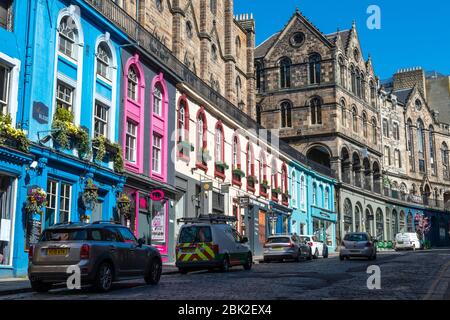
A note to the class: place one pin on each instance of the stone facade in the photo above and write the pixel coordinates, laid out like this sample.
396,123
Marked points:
326,102
207,37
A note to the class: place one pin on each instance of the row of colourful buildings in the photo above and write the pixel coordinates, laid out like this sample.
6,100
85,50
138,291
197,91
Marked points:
100,121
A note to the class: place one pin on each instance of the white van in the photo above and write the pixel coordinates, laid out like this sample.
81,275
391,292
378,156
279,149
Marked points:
406,240
209,242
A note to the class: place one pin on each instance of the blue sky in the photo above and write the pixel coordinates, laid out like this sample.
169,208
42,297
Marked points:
413,33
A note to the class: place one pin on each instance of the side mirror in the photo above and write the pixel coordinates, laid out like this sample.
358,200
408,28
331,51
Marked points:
244,240
141,241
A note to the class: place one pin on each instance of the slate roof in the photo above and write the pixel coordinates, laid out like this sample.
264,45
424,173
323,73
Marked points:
345,35
402,94
264,47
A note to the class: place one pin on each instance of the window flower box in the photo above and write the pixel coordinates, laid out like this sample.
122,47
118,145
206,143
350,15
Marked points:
12,137
220,168
102,147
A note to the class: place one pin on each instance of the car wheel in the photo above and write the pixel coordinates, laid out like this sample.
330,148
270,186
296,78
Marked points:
316,254
153,273
40,286
298,256
104,277
225,264
325,254
309,257
341,258
248,264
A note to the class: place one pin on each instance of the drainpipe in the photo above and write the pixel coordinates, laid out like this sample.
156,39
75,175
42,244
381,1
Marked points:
29,29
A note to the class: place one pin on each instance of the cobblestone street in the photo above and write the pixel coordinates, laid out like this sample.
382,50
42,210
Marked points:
404,275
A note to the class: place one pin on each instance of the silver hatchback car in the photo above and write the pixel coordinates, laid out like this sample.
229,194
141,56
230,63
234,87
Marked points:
358,244
281,247
103,252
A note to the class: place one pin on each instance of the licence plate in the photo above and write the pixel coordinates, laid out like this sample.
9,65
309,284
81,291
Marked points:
57,252
277,248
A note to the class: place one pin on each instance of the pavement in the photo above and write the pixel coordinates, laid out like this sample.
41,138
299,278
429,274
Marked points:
405,275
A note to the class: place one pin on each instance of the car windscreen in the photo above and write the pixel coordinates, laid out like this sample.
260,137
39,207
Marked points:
65,235
278,240
356,237
195,234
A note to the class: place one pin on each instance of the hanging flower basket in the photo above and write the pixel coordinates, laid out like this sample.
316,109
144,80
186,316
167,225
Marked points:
36,200
90,194
124,204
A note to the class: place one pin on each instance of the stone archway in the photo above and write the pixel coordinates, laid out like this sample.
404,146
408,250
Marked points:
320,154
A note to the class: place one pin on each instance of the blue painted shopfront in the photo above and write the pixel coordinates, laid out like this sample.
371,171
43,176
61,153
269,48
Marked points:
312,203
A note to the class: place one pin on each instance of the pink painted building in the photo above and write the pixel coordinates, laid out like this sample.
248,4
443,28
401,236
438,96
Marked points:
146,122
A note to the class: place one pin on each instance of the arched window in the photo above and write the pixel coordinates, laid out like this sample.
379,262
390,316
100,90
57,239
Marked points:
315,68
294,188
363,87
344,113
284,184
189,31
421,145
250,167
353,79
104,61
327,198
364,120
183,121
302,191
372,93
410,144
238,88
342,71
285,73
374,131
274,179
213,6
157,100
132,84
358,83
354,119
263,183
238,46
259,74
68,38
286,114
236,160
432,149
316,111
397,159
314,194
445,161
214,52
219,150
201,143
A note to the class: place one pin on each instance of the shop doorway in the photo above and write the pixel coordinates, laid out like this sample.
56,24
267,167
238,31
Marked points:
7,203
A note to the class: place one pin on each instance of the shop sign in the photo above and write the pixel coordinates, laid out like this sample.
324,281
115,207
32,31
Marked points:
40,112
157,195
244,202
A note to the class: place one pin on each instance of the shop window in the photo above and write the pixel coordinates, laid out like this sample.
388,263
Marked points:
59,202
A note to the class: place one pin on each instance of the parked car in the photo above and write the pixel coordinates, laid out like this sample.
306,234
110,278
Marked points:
104,252
318,248
281,247
407,240
358,244
210,242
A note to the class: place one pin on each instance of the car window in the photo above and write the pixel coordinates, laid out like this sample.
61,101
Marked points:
95,235
356,237
127,235
304,238
64,235
278,240
110,235
195,234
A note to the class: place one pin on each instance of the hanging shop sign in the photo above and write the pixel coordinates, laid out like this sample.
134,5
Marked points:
157,195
